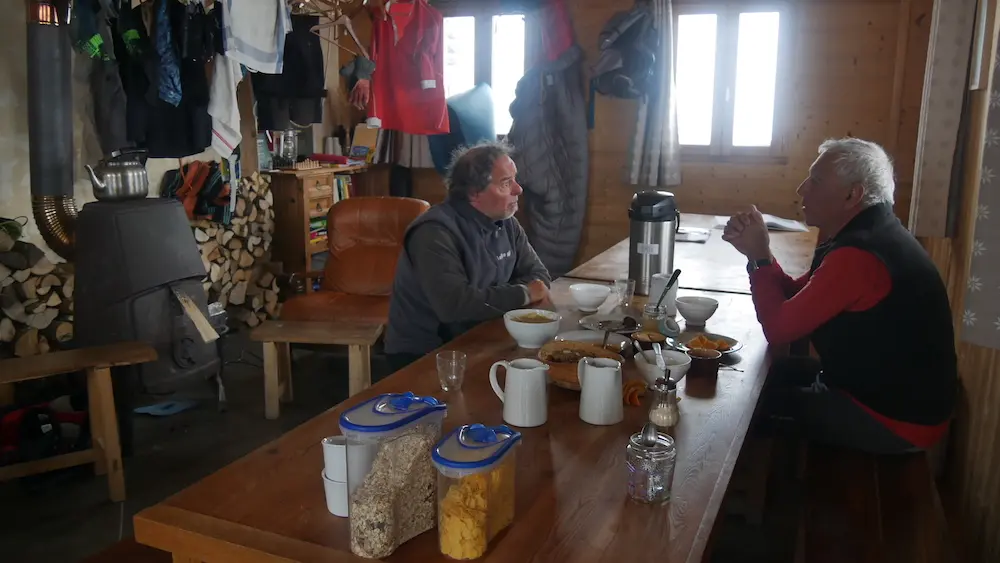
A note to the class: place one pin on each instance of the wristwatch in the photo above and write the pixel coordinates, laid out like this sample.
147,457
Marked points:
753,265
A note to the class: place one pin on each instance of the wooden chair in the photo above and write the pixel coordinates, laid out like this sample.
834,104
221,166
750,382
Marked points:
351,308
97,362
365,237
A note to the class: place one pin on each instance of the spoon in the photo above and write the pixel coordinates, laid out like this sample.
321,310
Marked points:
666,288
660,364
649,434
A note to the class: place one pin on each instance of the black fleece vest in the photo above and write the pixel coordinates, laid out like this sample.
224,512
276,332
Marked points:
898,357
413,326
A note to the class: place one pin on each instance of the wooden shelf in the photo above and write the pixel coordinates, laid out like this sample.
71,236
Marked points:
302,196
318,246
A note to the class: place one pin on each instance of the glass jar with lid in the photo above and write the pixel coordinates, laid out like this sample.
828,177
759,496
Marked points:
652,316
476,468
650,465
663,411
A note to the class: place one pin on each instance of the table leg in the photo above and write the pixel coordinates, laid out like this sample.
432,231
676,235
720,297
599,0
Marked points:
106,420
272,381
360,366
285,370
96,437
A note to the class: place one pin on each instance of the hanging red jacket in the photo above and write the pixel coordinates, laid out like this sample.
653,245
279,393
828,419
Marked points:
408,84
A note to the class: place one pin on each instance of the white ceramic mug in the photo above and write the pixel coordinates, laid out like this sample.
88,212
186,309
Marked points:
525,394
600,391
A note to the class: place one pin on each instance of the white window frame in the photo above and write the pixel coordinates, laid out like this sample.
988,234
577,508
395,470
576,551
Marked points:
727,37
483,15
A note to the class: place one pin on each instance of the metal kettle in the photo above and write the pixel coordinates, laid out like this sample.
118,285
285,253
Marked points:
122,175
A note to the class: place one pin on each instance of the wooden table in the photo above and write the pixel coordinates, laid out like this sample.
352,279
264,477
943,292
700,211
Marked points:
277,335
571,479
713,265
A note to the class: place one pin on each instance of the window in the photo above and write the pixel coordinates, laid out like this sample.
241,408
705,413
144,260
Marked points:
485,48
726,73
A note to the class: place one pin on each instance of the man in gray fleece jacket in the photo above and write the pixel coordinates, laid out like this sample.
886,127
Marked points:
464,261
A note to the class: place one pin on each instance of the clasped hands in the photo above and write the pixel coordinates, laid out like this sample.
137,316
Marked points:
747,233
538,295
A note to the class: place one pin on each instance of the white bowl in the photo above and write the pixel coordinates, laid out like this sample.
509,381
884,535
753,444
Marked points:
677,362
531,334
695,309
589,296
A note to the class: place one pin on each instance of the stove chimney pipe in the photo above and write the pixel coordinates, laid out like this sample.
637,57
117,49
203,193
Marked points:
50,125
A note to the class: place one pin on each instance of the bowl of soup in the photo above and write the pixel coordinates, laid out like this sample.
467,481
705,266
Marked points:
531,328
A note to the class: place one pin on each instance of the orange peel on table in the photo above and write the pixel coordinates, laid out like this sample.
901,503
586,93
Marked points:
632,392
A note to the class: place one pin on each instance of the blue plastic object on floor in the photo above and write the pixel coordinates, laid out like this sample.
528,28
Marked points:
167,408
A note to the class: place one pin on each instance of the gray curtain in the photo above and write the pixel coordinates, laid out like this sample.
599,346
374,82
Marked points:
655,156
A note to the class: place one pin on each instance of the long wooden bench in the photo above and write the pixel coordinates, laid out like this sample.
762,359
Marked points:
130,551
860,508
97,362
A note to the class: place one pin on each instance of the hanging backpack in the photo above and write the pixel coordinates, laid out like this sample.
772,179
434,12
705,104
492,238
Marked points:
626,65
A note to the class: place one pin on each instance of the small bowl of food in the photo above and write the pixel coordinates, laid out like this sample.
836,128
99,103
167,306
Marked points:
589,296
531,328
677,363
696,309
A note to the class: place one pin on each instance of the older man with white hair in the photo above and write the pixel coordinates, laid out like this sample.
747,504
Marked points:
873,305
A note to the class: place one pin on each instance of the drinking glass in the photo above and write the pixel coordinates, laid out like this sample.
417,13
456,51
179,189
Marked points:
451,369
624,290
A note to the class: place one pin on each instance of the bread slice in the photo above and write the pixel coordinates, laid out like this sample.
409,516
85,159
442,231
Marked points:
563,357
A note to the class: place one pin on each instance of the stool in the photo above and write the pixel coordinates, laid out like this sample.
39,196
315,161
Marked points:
277,335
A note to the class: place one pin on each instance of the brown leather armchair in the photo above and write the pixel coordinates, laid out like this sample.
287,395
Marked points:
365,236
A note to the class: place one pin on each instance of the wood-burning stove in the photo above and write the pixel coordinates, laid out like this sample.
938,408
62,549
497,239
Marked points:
130,255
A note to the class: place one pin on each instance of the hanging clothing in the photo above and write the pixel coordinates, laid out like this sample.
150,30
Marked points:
166,130
408,83
255,33
223,106
294,95
550,128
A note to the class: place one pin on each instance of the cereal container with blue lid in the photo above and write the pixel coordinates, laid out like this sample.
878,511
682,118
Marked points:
390,476
476,466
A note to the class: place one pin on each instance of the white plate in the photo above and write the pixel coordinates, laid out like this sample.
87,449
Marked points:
590,336
734,345
591,322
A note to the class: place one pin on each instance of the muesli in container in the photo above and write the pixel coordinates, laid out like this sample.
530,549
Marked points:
390,477
476,467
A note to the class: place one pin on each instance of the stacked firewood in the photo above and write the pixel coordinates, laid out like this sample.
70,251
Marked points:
237,256
36,300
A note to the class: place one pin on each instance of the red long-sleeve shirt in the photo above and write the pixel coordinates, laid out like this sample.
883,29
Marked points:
848,279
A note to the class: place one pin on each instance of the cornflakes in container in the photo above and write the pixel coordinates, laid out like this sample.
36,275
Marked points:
476,465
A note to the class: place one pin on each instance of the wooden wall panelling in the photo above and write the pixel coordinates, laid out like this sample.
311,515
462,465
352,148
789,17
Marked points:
919,18
248,127
845,78
971,490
